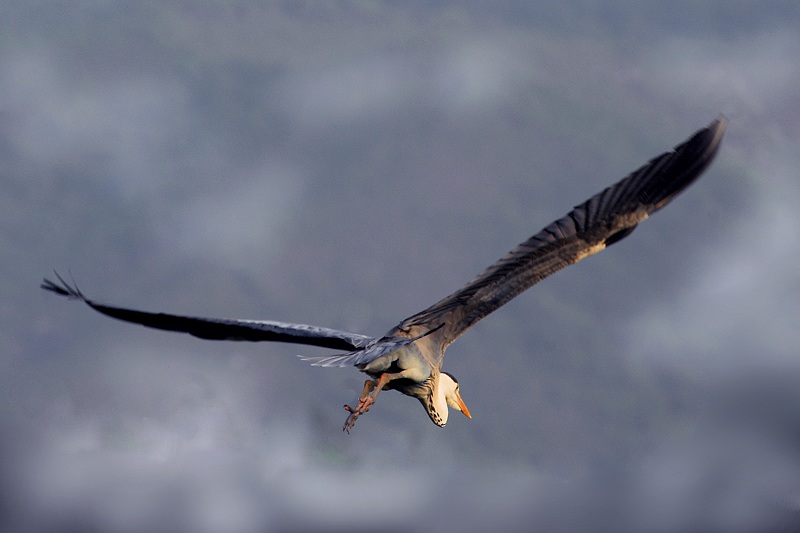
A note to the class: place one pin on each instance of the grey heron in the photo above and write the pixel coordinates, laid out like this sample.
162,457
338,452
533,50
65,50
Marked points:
409,357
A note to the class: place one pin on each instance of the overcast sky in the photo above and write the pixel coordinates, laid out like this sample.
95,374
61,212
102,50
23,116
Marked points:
346,165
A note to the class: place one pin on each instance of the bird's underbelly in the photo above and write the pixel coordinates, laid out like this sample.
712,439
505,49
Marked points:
407,363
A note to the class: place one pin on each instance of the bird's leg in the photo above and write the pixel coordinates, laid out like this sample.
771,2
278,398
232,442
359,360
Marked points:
368,395
369,386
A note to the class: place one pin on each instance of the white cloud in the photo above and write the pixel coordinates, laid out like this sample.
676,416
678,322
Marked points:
240,224
68,120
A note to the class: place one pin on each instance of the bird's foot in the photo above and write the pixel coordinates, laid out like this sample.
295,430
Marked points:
364,403
351,418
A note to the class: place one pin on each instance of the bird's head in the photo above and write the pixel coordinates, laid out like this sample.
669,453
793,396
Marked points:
445,393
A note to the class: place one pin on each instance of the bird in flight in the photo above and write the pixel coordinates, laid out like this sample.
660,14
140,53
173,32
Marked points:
408,358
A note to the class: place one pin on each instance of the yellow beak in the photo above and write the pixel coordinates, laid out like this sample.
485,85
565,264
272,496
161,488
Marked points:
463,406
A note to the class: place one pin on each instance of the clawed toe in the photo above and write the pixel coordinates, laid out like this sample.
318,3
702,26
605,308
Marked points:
363,407
351,419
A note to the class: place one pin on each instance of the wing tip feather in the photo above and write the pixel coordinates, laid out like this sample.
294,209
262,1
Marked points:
714,133
693,157
62,288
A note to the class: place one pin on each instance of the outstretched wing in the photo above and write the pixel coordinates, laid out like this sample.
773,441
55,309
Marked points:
221,329
591,226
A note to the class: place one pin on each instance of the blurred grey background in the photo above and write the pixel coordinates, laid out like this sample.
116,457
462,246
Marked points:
347,164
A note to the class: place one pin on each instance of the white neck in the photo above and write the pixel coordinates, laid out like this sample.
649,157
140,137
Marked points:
445,386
